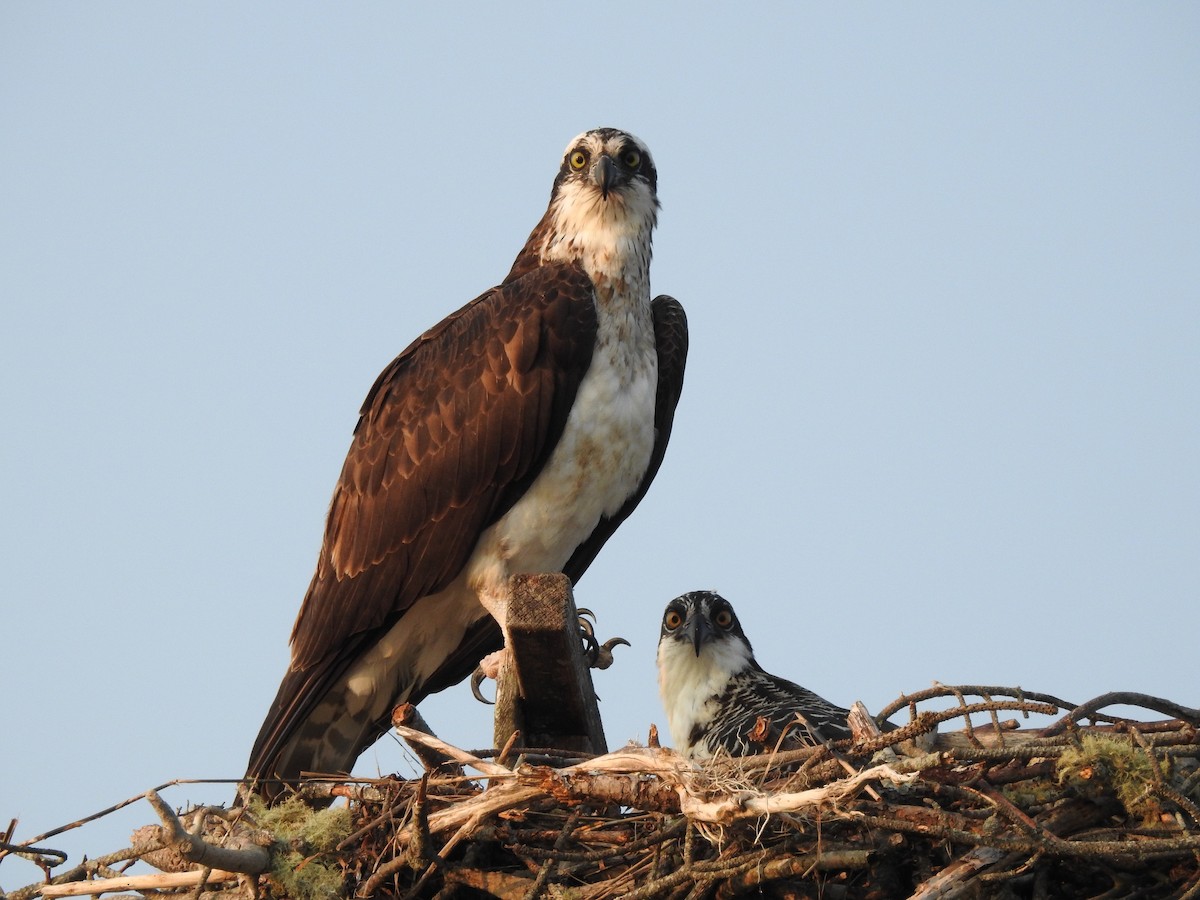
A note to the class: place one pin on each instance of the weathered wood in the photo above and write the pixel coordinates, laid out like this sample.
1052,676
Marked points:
544,689
137,883
407,716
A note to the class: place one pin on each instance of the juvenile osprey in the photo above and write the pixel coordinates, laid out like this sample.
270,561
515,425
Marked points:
514,436
715,692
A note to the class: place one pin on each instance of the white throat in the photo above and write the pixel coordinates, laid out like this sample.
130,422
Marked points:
610,238
689,684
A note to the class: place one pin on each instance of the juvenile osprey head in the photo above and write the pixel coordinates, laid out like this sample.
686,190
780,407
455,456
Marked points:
715,693
701,647
703,623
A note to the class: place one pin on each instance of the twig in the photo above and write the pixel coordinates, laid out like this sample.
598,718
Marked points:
941,690
83,870
1124,698
547,868
788,865
128,802
28,852
159,882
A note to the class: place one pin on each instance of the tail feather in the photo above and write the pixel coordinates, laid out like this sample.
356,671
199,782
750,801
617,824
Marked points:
325,716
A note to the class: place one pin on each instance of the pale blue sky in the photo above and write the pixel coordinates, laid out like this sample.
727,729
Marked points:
940,421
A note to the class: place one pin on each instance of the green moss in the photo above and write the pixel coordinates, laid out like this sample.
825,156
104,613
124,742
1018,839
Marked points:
303,834
1033,792
1104,766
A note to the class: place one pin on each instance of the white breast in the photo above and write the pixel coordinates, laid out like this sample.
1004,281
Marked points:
598,463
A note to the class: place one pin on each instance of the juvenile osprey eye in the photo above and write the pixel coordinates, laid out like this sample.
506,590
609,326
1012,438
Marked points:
578,160
631,159
723,619
672,619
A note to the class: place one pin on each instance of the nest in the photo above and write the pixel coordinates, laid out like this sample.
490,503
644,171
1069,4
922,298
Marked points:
1089,806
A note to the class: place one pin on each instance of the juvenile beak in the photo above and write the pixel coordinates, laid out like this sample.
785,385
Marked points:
698,631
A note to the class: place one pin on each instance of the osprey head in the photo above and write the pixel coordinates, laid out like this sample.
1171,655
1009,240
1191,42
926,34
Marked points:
603,209
602,213
702,620
610,164
701,651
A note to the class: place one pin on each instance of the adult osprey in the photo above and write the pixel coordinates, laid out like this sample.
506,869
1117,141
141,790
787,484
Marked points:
514,436
717,695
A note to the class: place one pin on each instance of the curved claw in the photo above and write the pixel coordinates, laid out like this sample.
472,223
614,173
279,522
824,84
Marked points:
478,678
588,632
604,653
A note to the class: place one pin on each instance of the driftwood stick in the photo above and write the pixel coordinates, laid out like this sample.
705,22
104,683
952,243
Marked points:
951,879
160,882
84,870
749,805
449,752
406,715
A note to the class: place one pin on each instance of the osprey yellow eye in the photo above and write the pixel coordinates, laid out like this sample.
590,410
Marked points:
578,160
723,619
672,619
631,159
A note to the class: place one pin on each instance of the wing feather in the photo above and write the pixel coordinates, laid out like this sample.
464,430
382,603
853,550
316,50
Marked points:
449,436
450,432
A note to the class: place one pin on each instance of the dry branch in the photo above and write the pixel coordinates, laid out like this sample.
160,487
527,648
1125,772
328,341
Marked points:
161,882
250,860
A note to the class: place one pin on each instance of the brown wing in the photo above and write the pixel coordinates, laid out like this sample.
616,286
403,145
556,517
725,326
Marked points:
451,434
449,437
671,342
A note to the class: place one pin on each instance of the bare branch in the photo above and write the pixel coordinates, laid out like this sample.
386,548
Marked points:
250,860
160,882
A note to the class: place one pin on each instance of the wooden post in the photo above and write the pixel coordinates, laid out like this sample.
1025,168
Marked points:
545,687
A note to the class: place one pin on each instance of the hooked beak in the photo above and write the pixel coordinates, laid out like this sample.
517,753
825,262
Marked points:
603,173
698,631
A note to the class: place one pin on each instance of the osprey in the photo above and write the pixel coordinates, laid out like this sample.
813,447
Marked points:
514,436
717,696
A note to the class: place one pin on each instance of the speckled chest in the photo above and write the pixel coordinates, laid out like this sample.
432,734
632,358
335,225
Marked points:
604,450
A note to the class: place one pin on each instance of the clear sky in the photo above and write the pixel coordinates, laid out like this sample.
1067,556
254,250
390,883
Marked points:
940,421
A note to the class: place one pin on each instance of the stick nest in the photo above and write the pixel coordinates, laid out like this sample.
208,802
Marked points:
1091,805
